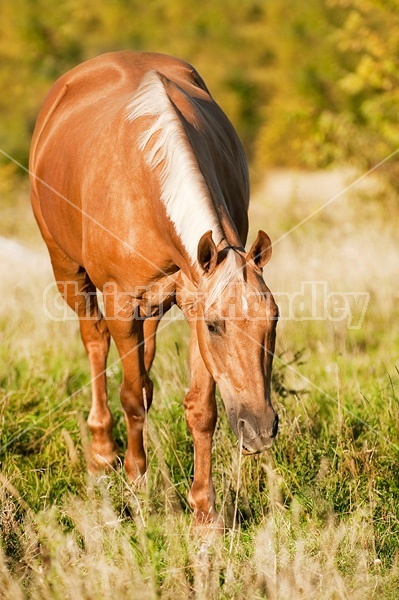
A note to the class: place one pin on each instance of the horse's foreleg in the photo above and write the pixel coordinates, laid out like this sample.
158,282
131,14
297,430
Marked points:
201,414
96,339
136,398
80,294
136,388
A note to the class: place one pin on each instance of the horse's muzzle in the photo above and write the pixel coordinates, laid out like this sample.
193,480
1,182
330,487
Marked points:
255,443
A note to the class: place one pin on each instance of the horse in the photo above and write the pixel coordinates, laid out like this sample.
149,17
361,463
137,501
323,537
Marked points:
140,188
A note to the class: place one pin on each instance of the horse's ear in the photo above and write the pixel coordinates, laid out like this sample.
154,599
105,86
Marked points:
261,250
207,253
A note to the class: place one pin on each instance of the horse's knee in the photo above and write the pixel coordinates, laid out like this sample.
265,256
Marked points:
201,415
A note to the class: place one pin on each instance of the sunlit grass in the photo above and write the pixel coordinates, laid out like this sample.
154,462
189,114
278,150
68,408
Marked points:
317,516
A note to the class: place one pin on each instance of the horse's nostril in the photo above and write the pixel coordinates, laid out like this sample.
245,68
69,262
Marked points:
275,426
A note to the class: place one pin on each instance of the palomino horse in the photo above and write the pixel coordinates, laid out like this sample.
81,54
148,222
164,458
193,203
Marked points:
140,186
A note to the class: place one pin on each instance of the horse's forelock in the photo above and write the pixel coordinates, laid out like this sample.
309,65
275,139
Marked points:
230,271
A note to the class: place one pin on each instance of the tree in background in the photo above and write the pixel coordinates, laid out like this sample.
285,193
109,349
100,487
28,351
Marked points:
306,84
335,86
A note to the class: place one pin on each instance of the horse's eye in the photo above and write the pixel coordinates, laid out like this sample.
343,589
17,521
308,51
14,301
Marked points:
213,328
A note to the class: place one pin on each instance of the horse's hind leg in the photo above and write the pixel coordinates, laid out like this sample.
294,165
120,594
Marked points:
80,294
150,330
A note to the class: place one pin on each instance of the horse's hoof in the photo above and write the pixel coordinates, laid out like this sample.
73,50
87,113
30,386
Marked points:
211,526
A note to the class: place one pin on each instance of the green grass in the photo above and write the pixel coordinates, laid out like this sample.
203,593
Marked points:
318,515
331,479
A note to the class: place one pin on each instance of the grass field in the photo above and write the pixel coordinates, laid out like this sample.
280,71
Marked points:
317,516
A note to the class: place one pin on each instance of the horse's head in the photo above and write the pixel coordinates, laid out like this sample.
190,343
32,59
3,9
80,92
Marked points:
236,325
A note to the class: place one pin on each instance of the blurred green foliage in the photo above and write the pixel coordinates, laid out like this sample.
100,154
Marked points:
306,84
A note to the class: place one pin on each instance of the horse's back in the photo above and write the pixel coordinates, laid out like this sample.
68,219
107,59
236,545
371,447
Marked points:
106,83
85,152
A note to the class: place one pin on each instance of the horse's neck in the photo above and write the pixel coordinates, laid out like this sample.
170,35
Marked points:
193,200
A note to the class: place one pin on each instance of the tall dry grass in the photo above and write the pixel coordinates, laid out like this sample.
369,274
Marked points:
85,549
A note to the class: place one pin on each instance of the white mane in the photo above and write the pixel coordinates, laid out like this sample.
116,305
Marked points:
183,189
